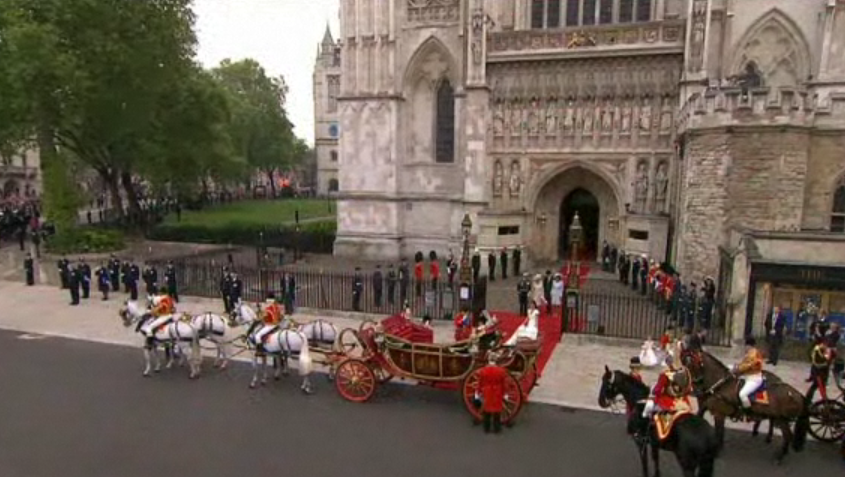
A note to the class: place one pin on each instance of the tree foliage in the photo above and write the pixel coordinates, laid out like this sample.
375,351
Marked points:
114,84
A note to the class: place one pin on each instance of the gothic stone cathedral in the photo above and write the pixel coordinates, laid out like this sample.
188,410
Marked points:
708,133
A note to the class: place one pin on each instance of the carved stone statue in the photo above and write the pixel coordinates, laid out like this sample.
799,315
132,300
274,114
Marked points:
607,118
645,117
498,178
661,187
498,119
641,187
515,184
533,117
516,118
569,119
587,116
626,118
551,116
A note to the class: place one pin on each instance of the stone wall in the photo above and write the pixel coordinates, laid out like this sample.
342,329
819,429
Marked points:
826,167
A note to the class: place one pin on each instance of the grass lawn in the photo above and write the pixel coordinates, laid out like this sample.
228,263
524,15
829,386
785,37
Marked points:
255,212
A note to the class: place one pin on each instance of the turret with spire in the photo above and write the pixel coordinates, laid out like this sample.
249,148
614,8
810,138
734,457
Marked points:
327,51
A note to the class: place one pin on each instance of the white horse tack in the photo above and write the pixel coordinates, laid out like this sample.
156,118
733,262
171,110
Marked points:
216,329
279,343
166,330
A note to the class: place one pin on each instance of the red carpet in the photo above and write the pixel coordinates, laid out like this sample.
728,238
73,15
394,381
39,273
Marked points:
549,333
583,273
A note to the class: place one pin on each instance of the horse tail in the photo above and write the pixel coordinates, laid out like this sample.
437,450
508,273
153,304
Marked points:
802,426
305,362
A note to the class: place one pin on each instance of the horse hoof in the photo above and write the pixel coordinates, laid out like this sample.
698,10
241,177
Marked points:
157,370
768,440
263,382
146,374
251,385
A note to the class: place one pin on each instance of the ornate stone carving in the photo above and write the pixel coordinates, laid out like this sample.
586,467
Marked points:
607,117
498,118
433,10
533,122
625,125
515,183
498,178
551,116
641,187
666,115
699,34
515,124
569,119
667,33
661,186
776,50
587,119
645,116
477,22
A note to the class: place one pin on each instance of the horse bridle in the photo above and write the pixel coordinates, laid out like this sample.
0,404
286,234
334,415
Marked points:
615,400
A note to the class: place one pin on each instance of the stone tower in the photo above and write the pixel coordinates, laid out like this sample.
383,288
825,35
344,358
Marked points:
326,80
413,109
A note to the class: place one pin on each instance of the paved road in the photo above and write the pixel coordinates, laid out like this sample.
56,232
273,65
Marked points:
78,409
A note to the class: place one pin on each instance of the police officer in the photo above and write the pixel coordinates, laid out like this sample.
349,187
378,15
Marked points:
170,281
391,285
114,273
357,290
236,289
85,278
125,276
225,286
522,289
378,284
150,279
74,281
134,277
63,266
29,268
476,265
103,283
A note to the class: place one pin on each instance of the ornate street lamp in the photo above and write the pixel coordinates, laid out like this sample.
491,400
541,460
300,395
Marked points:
574,279
465,289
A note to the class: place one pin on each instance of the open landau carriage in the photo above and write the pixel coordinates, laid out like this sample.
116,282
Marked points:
385,354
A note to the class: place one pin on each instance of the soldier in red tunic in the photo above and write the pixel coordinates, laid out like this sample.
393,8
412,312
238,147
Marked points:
491,384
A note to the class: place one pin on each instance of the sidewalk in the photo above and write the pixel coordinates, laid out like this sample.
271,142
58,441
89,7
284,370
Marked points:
571,378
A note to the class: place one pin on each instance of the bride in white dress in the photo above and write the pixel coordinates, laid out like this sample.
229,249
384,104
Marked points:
648,354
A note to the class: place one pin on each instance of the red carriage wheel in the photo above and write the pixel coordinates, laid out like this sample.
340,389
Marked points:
355,380
512,403
827,420
349,344
528,380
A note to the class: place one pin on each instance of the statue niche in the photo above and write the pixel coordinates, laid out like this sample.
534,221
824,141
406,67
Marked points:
641,188
515,183
661,187
498,178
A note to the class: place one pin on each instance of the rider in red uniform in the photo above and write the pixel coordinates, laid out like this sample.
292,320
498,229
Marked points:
668,394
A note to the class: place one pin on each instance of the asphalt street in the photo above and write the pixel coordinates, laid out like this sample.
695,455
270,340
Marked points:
78,409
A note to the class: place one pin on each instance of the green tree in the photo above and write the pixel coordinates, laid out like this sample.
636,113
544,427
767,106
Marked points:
261,133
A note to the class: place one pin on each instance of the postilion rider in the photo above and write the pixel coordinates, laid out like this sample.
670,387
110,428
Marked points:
271,318
750,370
162,306
491,391
672,391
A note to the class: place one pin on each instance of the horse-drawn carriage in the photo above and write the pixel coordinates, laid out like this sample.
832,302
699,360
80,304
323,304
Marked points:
827,414
382,356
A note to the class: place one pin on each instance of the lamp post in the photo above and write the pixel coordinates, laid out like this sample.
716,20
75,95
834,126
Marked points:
465,289
574,279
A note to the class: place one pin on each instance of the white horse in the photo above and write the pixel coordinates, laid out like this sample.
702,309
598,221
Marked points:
217,330
279,342
168,331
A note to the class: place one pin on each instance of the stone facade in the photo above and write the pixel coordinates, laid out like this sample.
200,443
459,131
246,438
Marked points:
683,119
20,175
326,126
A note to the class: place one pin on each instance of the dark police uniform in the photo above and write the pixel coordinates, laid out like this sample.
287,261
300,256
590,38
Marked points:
134,277
114,273
236,289
151,280
74,281
64,274
225,286
522,289
29,268
103,283
357,290
170,282
85,279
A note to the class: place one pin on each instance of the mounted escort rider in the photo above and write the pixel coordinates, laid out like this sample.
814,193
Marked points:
162,312
750,370
271,318
672,391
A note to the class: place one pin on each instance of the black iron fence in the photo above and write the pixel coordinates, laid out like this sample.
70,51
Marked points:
600,311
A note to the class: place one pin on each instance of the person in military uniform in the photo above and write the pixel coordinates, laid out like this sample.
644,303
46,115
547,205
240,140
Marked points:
170,281
451,269
85,280
236,289
64,272
74,282
491,265
522,290
103,284
503,257
150,276
434,269
225,286
750,369
404,280
378,283
271,317
114,269
391,285
357,290
289,292
125,276
671,393
517,260
29,269
134,277
821,357
476,265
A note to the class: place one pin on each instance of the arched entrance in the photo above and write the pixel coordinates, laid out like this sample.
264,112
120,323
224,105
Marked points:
560,192
587,206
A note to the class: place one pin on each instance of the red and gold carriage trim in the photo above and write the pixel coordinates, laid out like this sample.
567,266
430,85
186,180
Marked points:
381,354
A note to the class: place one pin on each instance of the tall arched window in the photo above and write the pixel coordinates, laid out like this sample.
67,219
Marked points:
333,185
445,123
837,216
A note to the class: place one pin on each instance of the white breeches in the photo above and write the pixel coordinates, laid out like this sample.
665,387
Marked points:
649,409
259,336
149,328
752,384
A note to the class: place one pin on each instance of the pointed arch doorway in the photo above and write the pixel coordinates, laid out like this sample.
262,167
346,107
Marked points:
587,206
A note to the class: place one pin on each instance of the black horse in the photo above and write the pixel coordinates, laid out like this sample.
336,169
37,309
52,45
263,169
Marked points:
692,440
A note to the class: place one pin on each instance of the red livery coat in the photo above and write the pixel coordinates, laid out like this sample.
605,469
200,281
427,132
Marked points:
418,271
434,269
663,396
491,383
